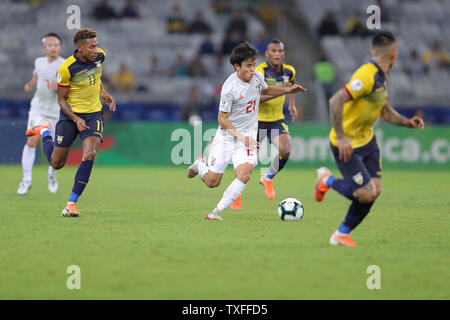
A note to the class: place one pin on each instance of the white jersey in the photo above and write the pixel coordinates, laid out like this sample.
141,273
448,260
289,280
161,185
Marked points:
45,100
241,100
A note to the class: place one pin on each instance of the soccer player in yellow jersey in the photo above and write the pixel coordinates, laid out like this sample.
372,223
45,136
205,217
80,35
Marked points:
270,115
353,111
79,92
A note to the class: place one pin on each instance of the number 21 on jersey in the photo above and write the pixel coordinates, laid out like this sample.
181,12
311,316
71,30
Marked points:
251,106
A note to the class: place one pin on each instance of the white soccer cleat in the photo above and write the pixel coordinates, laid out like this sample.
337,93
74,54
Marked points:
24,187
215,215
193,169
52,184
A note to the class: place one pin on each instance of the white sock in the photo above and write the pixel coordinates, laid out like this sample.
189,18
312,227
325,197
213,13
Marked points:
43,130
28,156
202,169
233,192
51,172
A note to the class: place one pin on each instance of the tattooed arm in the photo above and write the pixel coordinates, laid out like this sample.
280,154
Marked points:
390,115
63,96
337,102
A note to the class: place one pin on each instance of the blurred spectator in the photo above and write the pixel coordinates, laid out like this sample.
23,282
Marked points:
129,10
217,72
222,6
328,26
103,11
180,67
207,46
155,69
325,74
435,58
412,64
192,109
196,68
176,21
35,3
237,23
199,25
356,27
230,41
124,79
261,43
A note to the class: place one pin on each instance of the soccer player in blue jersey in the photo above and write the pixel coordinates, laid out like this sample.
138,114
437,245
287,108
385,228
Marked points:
79,92
353,111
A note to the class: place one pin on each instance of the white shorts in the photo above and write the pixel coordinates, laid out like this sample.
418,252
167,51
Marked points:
222,151
35,119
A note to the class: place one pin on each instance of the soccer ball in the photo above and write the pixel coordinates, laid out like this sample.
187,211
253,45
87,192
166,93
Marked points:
290,209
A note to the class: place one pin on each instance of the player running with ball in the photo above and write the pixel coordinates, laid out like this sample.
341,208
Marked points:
353,110
235,139
79,91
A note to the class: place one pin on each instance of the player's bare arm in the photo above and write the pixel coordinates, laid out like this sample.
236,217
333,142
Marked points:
107,98
30,84
63,96
337,102
278,91
225,123
292,108
390,115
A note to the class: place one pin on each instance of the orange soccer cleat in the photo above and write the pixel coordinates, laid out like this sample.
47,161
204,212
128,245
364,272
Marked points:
268,187
344,240
70,211
236,205
35,131
321,188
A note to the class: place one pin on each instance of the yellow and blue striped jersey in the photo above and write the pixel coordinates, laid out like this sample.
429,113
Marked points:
368,94
83,80
272,110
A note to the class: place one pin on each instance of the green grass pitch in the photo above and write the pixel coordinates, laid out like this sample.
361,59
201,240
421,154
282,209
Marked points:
143,236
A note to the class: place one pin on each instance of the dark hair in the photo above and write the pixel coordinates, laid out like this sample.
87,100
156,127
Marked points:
51,34
276,41
383,39
243,52
84,34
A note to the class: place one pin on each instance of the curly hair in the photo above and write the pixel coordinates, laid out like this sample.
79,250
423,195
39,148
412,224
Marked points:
83,34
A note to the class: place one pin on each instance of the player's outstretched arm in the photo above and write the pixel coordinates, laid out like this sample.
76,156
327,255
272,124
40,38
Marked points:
248,141
63,96
390,115
30,84
107,98
279,91
337,102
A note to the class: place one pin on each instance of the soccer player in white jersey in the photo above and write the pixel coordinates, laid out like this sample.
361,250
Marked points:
235,139
44,107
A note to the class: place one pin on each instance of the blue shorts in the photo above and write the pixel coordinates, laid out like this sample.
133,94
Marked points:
66,130
364,164
271,130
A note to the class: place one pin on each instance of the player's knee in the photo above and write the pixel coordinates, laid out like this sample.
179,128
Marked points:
57,164
32,143
213,183
368,197
243,177
378,192
285,153
89,155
